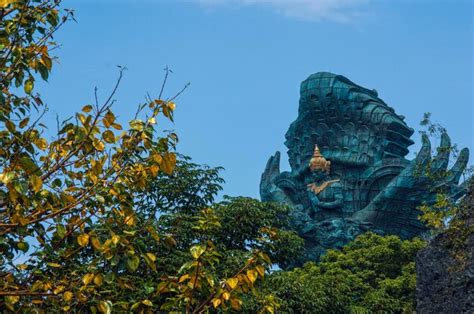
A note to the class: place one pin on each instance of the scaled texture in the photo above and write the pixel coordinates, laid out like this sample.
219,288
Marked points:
349,173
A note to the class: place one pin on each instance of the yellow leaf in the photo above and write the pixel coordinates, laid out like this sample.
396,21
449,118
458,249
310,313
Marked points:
24,122
152,120
172,105
183,278
154,170
96,244
87,108
168,163
67,296
22,266
151,256
12,299
87,278
129,220
235,304
41,143
5,3
81,118
83,239
108,136
98,280
105,307
252,275
29,86
115,239
36,183
196,251
10,126
99,145
6,177
216,302
157,157
269,309
55,265
117,126
58,289
261,270
232,282
226,295
153,233
109,119
147,303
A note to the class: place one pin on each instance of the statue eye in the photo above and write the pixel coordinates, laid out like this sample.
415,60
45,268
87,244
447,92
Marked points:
313,97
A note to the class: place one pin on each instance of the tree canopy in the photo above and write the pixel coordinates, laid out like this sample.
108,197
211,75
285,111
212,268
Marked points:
372,274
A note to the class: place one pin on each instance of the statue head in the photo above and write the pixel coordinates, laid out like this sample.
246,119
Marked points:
318,165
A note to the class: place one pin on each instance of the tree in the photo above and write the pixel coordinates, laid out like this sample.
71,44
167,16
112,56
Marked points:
52,191
371,274
77,196
242,235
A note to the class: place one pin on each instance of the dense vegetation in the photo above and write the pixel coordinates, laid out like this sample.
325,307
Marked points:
372,274
99,217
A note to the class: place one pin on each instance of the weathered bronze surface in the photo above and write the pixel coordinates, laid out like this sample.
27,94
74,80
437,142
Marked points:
360,179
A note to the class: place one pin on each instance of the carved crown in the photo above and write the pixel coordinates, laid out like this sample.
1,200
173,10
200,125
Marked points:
318,162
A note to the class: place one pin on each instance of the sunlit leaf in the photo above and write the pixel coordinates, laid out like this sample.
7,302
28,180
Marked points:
232,282
29,86
36,183
67,296
196,251
216,302
83,239
87,108
98,280
169,162
87,279
105,307
151,256
252,275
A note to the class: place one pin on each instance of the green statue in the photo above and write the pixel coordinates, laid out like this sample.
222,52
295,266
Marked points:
349,173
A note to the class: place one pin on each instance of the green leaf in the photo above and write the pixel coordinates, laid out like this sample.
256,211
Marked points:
20,187
23,246
43,70
36,183
100,198
29,84
108,136
132,262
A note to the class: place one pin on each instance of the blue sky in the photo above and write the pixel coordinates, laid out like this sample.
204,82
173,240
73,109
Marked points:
245,60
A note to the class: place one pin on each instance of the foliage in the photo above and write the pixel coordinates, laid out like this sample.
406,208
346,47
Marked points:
444,214
372,274
80,198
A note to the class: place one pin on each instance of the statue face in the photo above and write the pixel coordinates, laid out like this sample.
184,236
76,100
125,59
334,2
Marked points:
317,175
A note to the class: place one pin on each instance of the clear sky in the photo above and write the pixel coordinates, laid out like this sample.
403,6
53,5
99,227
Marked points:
245,60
